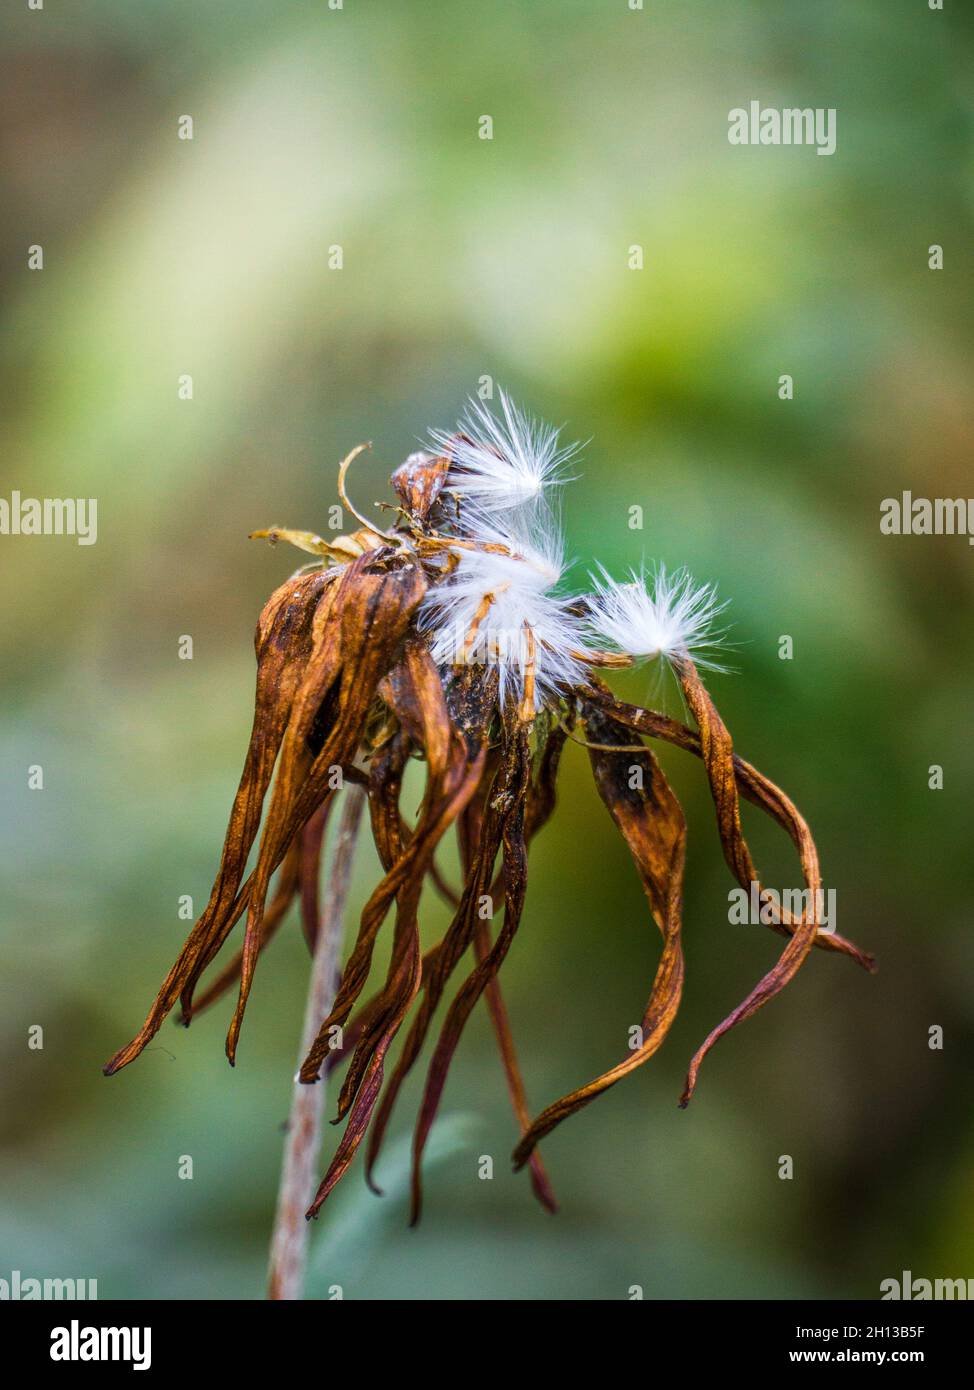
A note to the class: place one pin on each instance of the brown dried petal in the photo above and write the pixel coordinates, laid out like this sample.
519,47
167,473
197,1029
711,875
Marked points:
355,647
754,787
404,984
516,769
450,784
718,756
541,799
283,643
290,878
454,767
653,826
471,699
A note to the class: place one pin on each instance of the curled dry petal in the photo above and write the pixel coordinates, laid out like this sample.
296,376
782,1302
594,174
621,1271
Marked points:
755,788
355,644
470,699
471,704
452,778
724,773
508,808
539,805
454,767
717,751
283,644
293,873
652,824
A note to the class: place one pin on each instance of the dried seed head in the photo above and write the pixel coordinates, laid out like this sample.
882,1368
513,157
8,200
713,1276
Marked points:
352,679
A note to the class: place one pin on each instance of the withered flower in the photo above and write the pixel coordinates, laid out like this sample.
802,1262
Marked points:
447,639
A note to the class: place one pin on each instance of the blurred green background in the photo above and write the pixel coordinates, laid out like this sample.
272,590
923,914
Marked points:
506,258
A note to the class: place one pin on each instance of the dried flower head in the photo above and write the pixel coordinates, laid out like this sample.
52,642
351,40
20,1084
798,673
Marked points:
449,638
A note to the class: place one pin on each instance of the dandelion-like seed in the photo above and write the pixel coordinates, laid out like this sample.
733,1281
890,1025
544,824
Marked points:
501,462
665,615
450,638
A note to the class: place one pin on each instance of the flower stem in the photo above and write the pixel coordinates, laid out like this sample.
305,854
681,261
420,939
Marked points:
289,1243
